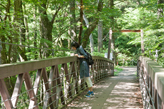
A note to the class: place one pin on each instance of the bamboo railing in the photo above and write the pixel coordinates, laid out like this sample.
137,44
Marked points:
47,83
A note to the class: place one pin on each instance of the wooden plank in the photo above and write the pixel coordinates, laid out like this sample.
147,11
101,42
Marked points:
58,87
77,79
68,85
54,84
17,89
73,77
28,83
51,76
46,100
66,71
93,72
51,79
48,96
73,69
5,95
127,31
37,81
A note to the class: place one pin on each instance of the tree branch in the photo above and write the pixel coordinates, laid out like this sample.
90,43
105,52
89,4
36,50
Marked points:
54,16
3,6
92,26
7,10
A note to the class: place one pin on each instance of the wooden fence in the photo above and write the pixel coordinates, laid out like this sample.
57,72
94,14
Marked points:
151,78
48,83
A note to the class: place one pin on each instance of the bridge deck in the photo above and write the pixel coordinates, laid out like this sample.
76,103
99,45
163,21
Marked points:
117,92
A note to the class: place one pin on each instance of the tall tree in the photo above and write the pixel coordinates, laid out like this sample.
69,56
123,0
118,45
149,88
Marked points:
81,21
87,25
100,35
5,56
19,31
112,26
72,31
92,26
46,27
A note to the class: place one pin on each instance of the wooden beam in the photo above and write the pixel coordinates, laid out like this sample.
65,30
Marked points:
17,89
29,88
48,95
37,81
127,31
5,95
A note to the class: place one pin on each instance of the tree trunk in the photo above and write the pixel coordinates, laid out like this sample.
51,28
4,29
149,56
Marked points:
19,31
109,43
18,17
46,32
90,37
160,8
46,27
72,31
81,21
87,25
5,53
72,21
92,26
100,35
91,43
35,36
113,38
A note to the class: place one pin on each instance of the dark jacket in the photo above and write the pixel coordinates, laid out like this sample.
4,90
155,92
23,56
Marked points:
84,67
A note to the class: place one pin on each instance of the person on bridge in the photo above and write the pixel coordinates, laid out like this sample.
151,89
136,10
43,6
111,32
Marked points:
84,67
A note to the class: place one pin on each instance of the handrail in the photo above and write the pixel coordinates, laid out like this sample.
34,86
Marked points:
151,76
12,69
48,82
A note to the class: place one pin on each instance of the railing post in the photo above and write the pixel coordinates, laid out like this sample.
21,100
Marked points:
0,52
5,95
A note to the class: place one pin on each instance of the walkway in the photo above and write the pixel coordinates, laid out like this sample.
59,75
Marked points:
117,92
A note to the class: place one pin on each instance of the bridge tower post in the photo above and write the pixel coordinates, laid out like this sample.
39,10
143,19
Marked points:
109,44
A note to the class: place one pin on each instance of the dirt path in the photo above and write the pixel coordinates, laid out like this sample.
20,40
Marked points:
117,92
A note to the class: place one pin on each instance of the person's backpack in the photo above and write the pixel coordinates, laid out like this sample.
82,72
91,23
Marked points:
89,60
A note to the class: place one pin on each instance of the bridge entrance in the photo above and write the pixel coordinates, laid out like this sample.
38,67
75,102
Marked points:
110,38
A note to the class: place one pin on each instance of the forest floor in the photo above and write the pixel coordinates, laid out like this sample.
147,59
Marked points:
116,92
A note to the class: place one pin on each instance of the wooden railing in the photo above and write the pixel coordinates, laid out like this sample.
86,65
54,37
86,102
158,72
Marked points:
151,78
47,83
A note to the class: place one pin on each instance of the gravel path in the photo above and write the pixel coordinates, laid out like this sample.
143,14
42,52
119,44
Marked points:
117,92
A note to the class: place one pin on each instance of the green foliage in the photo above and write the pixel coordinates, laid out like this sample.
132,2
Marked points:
129,14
